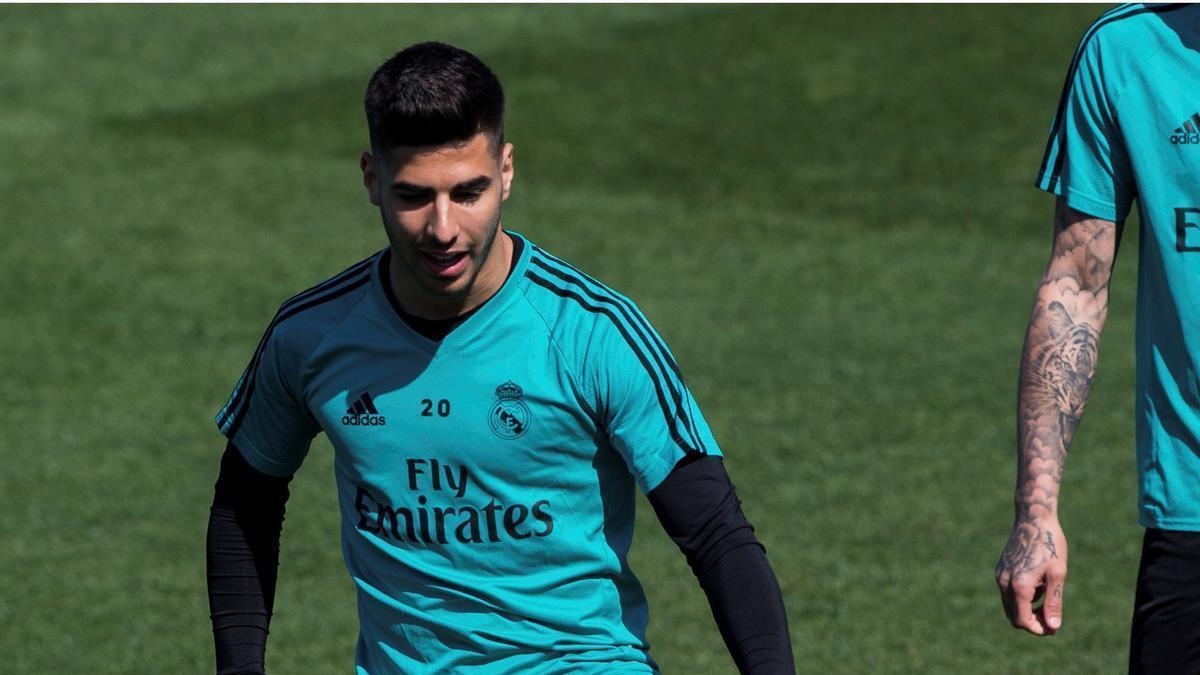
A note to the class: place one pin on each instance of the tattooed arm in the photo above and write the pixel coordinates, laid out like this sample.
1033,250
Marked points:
1057,366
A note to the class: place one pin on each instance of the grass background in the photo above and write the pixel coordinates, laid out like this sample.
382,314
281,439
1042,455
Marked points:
827,212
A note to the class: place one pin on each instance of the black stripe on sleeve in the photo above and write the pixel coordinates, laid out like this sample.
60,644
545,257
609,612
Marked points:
240,416
624,301
239,394
1056,125
662,401
1058,129
677,396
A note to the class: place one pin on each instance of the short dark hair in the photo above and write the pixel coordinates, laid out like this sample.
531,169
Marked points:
433,94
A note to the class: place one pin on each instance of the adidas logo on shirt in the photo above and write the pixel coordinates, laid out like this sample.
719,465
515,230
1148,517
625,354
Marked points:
363,414
1187,133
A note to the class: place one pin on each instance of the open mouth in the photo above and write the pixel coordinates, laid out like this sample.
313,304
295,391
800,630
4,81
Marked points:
444,264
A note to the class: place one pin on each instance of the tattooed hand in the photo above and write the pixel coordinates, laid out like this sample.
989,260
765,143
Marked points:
1057,367
1032,568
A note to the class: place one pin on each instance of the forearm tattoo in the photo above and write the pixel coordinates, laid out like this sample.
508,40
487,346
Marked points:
1056,377
1057,367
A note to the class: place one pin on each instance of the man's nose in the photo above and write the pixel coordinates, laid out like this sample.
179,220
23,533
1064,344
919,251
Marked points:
442,226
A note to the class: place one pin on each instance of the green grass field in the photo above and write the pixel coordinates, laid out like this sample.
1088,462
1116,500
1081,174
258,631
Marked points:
827,212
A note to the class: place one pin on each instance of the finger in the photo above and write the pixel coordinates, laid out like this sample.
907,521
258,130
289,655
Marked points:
1005,590
1052,609
1007,601
1023,616
1038,594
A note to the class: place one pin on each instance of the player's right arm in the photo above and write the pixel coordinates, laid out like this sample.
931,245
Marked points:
269,429
1058,363
242,556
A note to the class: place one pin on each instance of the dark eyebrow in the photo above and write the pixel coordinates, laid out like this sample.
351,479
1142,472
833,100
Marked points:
479,183
409,187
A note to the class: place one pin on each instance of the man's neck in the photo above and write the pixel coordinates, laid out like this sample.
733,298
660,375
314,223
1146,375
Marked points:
418,302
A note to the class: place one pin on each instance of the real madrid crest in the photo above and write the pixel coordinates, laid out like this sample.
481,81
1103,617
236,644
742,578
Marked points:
509,416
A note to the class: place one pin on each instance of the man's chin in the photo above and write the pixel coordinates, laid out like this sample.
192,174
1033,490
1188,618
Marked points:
455,287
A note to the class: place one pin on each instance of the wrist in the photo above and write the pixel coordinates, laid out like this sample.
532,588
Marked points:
1039,512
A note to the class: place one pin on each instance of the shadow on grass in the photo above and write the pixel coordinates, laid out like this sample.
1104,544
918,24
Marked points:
320,118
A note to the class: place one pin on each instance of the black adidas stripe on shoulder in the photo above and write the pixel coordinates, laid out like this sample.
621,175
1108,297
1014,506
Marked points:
335,287
636,319
648,338
550,286
636,316
1055,142
336,279
1117,9
294,301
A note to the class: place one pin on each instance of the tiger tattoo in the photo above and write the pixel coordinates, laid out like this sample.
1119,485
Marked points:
1061,368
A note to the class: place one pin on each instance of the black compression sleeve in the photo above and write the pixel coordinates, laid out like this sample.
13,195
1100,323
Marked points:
242,551
699,509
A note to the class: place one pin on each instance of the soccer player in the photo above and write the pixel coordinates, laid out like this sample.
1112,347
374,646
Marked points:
491,409
1127,129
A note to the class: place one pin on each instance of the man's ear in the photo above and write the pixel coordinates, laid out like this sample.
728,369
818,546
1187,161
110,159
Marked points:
370,180
506,170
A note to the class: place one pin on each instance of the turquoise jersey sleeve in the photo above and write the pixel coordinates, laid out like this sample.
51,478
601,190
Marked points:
266,417
1086,161
649,414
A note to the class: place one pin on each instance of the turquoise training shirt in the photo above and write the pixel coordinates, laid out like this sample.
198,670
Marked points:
1128,130
486,482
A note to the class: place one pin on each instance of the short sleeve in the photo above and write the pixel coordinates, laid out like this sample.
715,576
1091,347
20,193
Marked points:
1086,161
265,416
649,415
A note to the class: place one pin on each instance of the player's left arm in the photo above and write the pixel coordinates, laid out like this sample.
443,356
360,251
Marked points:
655,424
699,508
